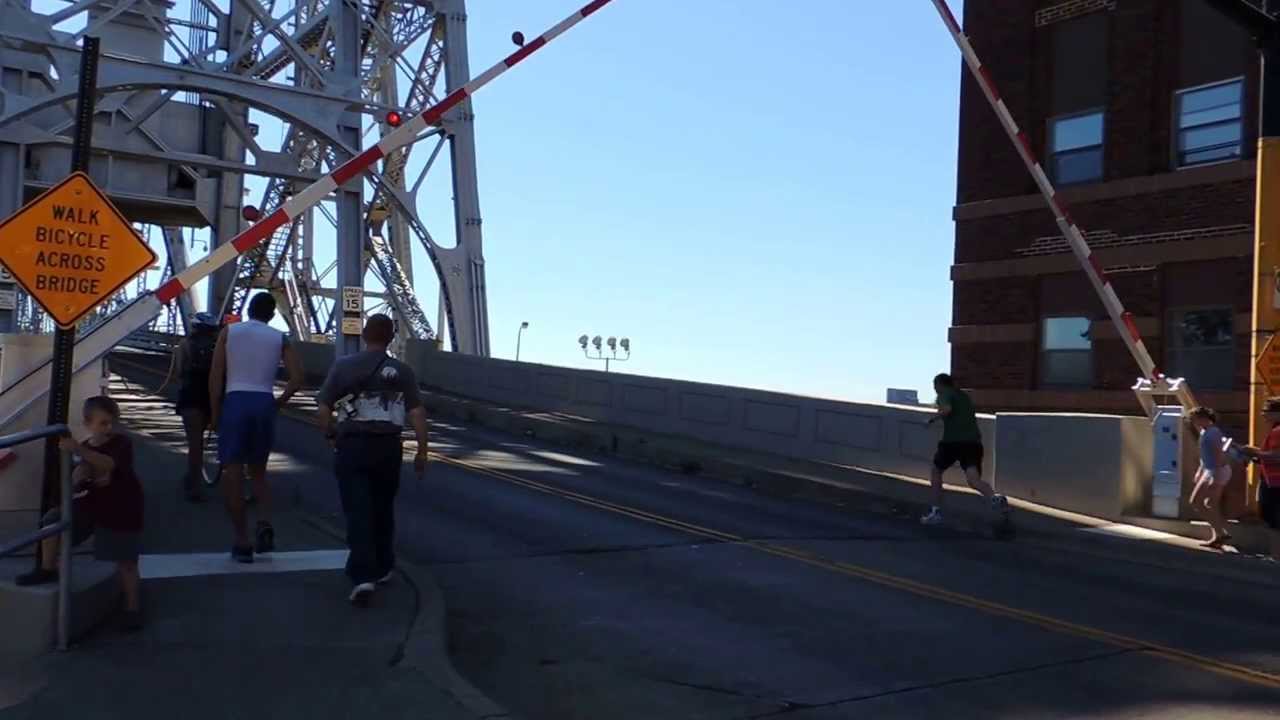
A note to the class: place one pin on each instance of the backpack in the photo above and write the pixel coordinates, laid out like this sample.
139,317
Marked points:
201,350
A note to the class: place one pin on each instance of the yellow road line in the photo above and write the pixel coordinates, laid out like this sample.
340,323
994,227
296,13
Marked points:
1232,670
1219,667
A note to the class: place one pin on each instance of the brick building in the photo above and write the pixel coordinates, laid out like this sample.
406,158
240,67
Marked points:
1143,112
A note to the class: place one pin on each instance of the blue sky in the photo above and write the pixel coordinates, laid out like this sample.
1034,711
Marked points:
755,197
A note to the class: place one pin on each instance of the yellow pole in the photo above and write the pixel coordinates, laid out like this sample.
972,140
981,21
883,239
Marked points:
1266,264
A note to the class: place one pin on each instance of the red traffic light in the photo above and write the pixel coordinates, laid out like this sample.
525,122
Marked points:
250,213
394,119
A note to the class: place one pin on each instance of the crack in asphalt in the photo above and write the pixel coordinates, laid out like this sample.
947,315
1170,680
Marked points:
964,680
786,705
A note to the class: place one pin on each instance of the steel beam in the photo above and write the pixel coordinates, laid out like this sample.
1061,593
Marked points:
344,19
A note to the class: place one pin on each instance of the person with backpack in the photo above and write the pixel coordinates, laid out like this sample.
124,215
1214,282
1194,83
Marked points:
193,359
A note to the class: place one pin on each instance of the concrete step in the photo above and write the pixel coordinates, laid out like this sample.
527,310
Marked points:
29,615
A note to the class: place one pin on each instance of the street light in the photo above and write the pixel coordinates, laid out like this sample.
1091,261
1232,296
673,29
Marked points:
523,326
614,343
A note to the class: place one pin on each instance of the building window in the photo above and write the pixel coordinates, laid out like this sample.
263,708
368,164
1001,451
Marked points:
1209,126
1066,352
1202,347
1075,143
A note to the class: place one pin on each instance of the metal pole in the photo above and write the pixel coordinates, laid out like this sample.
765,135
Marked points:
345,19
64,559
520,333
64,344
470,304
64,339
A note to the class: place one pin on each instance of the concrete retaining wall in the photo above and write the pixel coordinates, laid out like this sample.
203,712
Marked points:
1097,465
884,438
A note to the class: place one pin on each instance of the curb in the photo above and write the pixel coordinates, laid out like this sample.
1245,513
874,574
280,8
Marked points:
425,647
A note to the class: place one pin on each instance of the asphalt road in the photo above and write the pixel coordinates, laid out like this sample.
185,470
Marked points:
582,588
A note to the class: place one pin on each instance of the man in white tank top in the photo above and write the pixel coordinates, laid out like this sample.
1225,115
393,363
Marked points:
245,361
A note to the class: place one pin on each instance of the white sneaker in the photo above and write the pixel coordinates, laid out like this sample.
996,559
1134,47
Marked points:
933,518
386,578
360,594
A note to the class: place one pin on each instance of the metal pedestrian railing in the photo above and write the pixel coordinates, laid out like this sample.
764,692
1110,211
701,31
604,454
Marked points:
62,527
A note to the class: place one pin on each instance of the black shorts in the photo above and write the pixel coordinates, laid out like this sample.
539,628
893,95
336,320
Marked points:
194,395
108,545
968,454
1269,505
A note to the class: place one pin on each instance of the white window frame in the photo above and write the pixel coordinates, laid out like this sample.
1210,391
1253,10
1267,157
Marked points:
1175,146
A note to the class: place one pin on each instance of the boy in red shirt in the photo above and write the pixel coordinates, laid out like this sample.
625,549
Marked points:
1269,486
108,504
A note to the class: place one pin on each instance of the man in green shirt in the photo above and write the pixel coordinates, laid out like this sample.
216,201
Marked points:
961,443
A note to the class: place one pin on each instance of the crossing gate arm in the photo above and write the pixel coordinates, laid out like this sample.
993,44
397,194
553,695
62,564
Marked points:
1153,381
137,314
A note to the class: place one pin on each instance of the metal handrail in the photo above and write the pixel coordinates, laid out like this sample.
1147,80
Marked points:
26,436
62,527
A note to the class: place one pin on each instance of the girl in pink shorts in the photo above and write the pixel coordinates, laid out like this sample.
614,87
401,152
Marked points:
1213,476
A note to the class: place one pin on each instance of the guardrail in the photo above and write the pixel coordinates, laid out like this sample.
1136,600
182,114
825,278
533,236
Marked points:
62,527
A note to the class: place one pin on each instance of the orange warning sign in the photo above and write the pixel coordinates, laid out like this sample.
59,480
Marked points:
70,249
1269,366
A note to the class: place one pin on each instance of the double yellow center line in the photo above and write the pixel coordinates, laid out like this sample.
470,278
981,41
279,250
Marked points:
1201,662
1231,670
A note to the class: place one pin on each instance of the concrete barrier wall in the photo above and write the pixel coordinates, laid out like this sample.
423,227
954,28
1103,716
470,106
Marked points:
1093,464
884,438
1097,465
316,359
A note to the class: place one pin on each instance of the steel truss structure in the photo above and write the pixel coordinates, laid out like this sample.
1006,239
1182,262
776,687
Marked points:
332,72
142,311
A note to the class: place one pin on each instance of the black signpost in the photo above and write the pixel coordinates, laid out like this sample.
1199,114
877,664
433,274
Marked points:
64,340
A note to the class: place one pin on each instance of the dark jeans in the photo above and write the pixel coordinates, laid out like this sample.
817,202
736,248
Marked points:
368,470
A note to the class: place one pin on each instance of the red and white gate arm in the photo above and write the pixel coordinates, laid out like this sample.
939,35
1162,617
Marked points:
355,167
1123,320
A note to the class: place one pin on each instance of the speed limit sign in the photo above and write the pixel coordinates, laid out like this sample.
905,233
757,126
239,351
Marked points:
353,300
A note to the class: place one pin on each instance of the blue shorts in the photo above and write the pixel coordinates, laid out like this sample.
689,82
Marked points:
247,428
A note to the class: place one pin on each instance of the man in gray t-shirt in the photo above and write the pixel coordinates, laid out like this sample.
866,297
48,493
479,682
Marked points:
377,393
374,396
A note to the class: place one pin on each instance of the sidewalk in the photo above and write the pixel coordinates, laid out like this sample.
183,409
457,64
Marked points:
273,639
